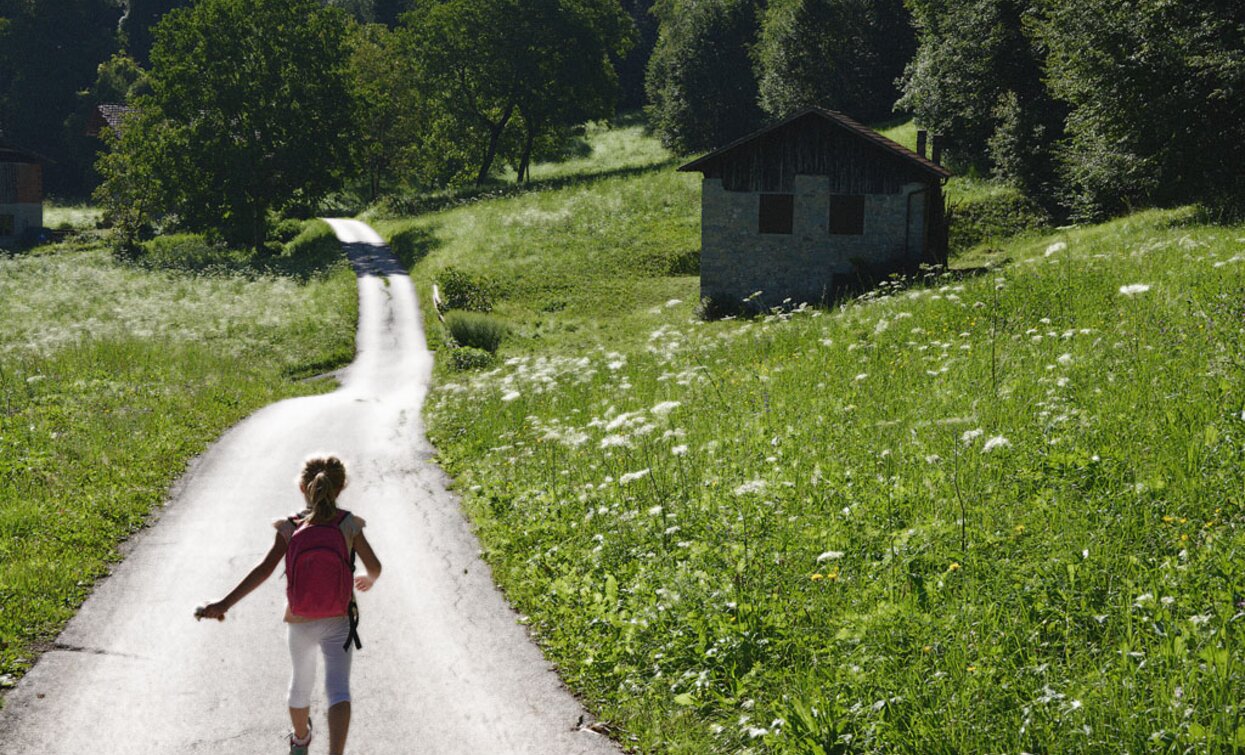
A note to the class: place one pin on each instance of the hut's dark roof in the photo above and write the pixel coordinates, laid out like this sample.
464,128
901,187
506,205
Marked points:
108,115
838,119
11,153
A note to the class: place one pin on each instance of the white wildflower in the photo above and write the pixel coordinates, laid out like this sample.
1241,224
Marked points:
1134,288
861,376
674,302
752,486
997,441
665,408
679,450
1055,248
632,476
611,441
1064,359
829,556
655,510
971,435
510,396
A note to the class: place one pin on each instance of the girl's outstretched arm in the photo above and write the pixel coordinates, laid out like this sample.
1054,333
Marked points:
262,571
370,562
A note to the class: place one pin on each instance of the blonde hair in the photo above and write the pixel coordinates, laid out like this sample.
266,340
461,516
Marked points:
321,481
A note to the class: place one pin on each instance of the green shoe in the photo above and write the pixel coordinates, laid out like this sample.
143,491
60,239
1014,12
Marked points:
301,749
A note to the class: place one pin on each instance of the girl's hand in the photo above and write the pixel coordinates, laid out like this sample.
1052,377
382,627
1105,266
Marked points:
211,611
363,583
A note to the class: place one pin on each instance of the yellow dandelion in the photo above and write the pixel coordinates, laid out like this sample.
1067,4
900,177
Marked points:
972,669
832,576
1019,529
1184,538
1169,518
955,566
927,649
1184,520
816,577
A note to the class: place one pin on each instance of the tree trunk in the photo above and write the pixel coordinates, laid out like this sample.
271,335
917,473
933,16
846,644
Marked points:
525,165
494,138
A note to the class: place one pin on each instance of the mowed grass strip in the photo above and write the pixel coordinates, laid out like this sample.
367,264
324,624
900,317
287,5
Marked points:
1001,513
112,377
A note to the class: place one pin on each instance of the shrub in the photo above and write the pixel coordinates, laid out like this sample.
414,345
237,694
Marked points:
187,251
469,358
476,330
462,290
284,230
995,217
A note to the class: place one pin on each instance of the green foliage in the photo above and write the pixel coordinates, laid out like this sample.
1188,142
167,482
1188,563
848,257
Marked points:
389,105
250,109
49,52
469,358
112,378
141,17
839,54
1157,114
491,65
977,80
701,87
476,330
459,289
992,219
187,251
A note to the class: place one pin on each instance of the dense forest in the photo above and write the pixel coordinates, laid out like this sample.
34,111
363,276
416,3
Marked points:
1091,107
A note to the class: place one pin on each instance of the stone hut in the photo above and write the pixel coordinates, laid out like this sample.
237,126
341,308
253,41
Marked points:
21,193
812,205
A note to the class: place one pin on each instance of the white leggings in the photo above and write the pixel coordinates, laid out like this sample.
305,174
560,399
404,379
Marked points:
329,635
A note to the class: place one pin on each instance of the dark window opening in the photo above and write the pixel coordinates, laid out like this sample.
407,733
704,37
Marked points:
6,225
777,212
847,215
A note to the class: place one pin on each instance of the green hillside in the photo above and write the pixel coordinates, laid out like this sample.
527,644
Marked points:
997,512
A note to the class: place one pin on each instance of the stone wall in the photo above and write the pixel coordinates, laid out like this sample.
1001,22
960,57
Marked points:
24,216
737,261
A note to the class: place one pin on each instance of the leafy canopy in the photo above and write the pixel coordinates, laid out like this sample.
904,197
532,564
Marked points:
250,111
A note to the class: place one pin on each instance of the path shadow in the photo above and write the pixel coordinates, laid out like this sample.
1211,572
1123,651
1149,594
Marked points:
373,260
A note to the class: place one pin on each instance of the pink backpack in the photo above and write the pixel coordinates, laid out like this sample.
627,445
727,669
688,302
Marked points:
318,569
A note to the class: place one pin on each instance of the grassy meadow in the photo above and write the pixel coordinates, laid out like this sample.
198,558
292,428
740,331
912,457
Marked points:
990,511
113,375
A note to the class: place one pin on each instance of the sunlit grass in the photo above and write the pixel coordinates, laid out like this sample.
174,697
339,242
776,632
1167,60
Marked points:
1002,513
112,377
76,217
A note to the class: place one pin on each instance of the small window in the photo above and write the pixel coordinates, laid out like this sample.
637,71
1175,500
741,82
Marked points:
777,211
847,214
6,225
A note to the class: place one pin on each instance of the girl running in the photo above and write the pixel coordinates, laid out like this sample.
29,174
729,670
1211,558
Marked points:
318,546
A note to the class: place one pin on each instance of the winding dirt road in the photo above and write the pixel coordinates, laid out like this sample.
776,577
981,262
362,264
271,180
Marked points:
445,668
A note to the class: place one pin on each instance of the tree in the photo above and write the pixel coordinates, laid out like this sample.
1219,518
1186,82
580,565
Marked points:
389,103
49,51
250,110
977,79
486,63
141,16
701,88
633,66
1156,92
840,54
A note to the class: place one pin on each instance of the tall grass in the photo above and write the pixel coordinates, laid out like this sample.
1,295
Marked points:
1000,513
112,376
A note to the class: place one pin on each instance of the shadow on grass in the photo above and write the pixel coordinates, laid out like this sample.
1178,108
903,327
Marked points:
192,255
426,203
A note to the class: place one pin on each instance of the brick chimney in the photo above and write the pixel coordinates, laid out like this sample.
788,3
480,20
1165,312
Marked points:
921,137
935,152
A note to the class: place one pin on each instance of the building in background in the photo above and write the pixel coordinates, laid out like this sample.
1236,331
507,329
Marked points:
21,194
813,205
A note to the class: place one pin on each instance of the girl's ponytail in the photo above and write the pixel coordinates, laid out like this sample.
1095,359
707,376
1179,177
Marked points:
320,498
322,478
